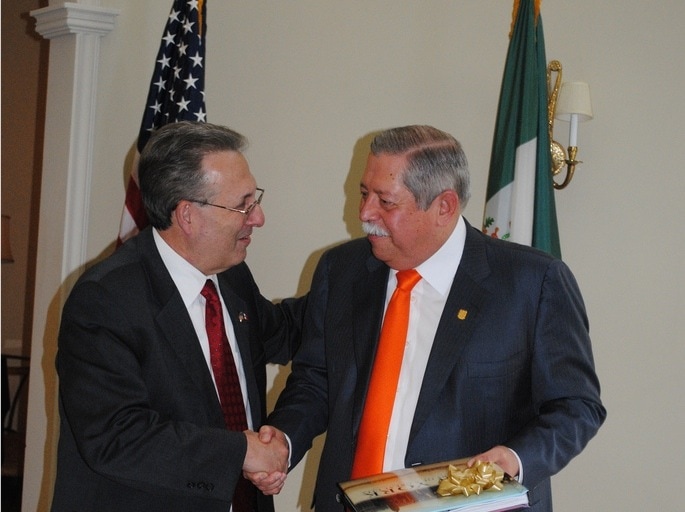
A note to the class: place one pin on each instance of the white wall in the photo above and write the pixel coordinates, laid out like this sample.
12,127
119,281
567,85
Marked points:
307,81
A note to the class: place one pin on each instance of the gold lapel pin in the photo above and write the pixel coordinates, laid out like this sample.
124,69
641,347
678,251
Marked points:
461,314
242,317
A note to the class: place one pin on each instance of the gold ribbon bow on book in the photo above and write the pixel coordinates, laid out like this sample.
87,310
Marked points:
482,476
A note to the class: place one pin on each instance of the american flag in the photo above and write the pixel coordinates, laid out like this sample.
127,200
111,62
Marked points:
176,93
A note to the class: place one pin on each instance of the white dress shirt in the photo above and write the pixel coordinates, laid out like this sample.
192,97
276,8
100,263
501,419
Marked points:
428,299
189,281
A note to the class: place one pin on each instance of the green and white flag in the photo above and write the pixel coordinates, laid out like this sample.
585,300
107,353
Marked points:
520,196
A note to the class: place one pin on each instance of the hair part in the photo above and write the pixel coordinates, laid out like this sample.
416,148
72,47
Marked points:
435,162
170,166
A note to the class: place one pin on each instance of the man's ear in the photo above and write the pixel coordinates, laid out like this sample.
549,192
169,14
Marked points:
448,205
182,215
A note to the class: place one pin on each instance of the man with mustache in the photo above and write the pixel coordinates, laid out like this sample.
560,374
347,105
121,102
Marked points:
494,360
163,346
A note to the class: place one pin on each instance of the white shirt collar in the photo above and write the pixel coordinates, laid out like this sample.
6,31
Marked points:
188,279
439,269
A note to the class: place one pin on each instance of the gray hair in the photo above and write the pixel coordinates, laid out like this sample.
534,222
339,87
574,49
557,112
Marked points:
435,162
170,166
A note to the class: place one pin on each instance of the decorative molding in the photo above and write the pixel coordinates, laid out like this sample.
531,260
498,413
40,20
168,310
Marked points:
72,18
86,25
82,140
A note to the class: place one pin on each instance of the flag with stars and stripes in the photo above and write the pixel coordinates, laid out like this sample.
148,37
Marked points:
176,93
520,196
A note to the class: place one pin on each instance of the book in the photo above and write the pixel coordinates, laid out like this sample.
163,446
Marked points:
415,490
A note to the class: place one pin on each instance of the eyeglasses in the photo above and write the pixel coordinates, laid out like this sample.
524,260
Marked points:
245,211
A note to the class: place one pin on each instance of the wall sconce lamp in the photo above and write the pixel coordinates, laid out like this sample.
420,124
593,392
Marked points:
6,248
568,101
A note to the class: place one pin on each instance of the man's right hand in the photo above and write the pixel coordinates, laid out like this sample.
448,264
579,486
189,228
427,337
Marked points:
266,460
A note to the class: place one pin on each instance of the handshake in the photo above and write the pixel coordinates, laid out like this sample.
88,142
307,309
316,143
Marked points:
266,460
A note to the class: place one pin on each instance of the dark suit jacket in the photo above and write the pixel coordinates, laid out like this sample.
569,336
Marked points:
141,425
517,370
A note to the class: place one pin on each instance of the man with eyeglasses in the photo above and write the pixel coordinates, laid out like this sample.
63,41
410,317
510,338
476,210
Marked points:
163,346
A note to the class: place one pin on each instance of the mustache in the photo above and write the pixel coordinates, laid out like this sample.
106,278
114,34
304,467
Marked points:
372,229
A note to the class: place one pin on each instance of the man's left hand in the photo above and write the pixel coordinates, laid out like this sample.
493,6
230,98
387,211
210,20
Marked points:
500,455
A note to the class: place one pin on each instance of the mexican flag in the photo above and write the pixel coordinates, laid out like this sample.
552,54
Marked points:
520,196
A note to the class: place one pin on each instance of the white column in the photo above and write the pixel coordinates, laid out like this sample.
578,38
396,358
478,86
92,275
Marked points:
74,31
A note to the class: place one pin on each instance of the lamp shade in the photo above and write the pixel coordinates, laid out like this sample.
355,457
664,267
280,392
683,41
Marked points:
6,248
574,98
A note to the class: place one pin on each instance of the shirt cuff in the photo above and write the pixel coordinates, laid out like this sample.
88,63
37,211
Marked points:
519,477
290,449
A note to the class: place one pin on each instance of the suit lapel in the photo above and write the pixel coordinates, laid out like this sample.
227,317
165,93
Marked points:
236,311
458,320
174,323
368,302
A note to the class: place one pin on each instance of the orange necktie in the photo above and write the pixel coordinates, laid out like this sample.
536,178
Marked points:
380,398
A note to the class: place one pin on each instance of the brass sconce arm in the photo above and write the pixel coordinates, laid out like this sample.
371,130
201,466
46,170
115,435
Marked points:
574,99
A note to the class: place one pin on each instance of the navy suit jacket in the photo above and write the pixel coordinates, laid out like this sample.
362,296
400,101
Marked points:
517,370
141,424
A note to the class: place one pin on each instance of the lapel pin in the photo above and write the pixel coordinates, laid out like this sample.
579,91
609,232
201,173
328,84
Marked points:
242,317
461,314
